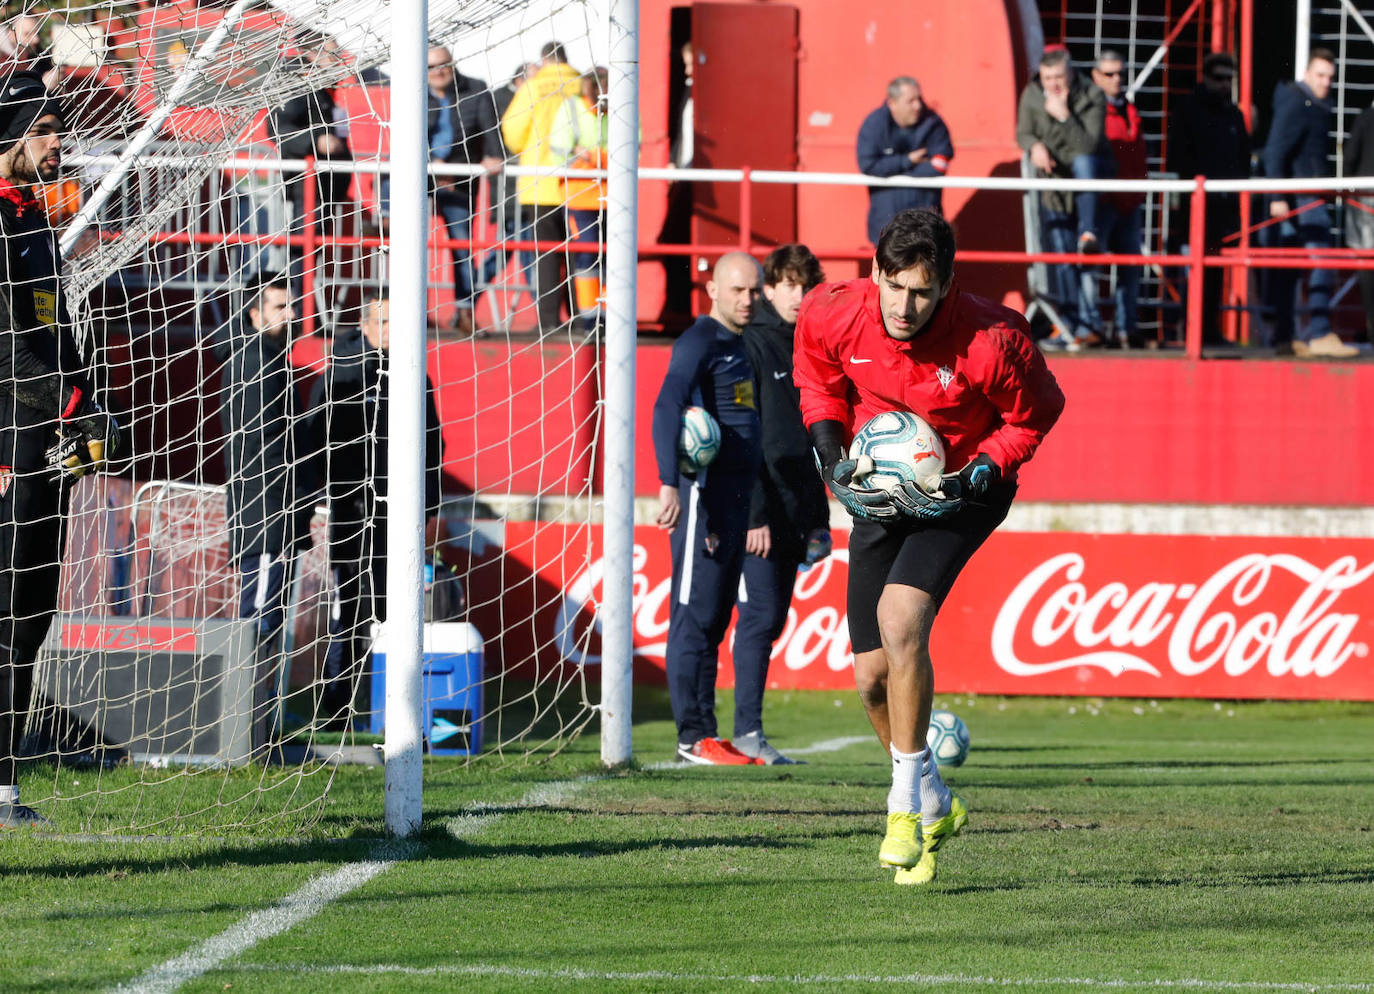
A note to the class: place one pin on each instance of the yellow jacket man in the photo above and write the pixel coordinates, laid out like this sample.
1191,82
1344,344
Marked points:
528,127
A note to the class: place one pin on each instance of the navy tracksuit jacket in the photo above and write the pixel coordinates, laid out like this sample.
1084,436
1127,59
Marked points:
709,368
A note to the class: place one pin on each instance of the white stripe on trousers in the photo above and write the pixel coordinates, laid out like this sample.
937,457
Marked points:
684,593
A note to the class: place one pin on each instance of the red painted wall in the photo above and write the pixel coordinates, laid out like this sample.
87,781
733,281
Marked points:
970,61
1133,431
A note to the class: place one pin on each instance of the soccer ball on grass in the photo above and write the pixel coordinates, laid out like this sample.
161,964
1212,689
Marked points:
947,738
896,447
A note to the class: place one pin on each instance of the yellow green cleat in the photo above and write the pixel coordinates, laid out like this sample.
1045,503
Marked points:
902,846
946,828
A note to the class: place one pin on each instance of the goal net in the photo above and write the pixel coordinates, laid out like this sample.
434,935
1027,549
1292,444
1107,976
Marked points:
222,207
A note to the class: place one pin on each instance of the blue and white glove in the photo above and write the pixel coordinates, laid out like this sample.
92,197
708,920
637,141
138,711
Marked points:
914,502
862,502
973,481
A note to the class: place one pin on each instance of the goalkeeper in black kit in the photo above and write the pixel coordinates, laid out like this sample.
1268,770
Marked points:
51,430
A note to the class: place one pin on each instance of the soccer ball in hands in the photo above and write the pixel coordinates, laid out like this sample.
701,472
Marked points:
896,447
947,738
699,441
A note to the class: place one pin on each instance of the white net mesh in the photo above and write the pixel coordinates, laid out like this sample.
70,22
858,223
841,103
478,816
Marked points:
222,211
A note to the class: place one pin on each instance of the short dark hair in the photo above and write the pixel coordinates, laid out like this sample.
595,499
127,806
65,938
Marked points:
553,52
917,237
1325,54
794,260
1219,64
1054,55
253,293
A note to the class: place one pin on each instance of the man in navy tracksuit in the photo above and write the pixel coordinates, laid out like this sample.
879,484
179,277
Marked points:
903,137
789,514
710,514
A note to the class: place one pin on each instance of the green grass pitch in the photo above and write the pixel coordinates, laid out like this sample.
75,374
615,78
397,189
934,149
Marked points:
1112,845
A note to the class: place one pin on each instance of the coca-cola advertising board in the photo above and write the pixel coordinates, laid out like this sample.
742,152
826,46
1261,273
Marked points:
1033,613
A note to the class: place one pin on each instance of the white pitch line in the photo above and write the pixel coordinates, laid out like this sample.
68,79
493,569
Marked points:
304,903
831,745
925,980
311,899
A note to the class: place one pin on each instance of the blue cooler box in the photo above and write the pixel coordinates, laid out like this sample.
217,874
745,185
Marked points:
452,688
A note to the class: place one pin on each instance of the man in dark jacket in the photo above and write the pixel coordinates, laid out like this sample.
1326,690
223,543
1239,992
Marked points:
903,137
269,463
349,423
1208,137
51,430
310,126
1061,125
789,513
1359,221
1298,142
463,128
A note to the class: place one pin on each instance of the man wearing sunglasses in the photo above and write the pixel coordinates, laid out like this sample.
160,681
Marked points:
1121,216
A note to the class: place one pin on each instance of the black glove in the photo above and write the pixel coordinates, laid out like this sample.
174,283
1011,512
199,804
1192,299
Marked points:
914,502
85,443
838,473
973,481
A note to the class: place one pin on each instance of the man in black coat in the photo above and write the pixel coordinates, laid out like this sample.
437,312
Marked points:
51,429
311,125
1208,137
462,128
1359,221
349,423
1297,147
789,513
269,461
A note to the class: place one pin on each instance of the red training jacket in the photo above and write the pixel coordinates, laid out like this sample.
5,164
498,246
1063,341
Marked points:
1128,148
974,374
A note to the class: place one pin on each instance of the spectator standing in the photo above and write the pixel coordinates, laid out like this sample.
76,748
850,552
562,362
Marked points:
269,463
581,138
1207,137
921,336
1297,147
709,515
1359,222
789,514
462,128
904,137
45,394
1061,125
312,125
677,217
1121,215
349,424
533,115
505,206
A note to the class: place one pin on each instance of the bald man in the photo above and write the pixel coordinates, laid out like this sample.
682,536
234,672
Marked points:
708,512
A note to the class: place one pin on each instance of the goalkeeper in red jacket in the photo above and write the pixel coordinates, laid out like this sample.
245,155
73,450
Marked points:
910,340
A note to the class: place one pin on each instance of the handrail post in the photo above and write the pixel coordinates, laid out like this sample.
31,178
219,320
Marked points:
746,207
309,208
1197,250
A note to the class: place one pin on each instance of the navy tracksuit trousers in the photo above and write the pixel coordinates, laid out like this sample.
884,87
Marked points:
765,594
705,583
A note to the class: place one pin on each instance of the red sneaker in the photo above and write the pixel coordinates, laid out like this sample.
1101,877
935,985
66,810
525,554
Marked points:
715,752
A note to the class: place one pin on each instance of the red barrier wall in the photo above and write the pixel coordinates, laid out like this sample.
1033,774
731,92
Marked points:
1162,430
1034,613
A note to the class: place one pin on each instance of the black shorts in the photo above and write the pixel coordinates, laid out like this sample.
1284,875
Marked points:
928,557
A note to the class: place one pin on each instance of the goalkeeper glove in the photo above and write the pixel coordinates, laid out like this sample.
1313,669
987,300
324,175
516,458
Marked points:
973,481
838,474
85,444
914,502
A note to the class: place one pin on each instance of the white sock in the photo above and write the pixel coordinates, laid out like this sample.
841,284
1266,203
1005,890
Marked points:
934,793
906,774
9,794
